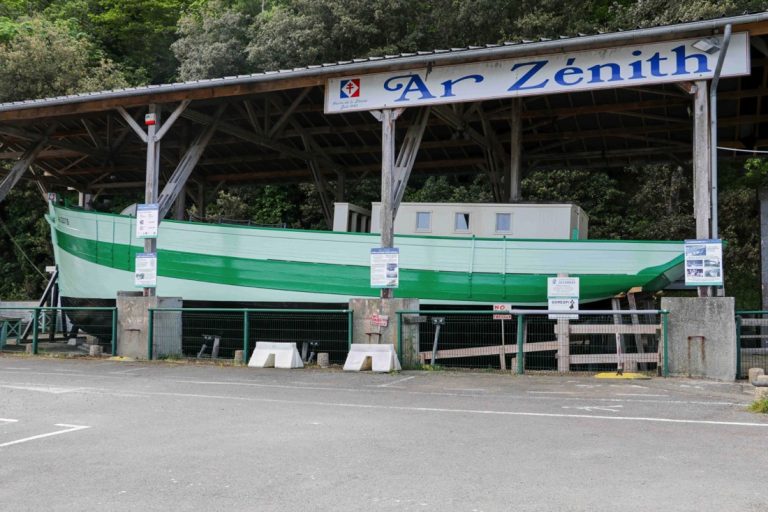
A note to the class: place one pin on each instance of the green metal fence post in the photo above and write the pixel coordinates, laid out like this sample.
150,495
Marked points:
350,323
150,334
520,341
114,332
665,334
34,331
738,347
246,336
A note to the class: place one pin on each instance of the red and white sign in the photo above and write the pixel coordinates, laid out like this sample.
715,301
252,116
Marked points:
379,320
502,307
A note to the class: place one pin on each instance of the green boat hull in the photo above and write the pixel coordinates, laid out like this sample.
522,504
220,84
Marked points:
95,253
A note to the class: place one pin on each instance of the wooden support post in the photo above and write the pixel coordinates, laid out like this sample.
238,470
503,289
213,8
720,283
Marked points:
180,206
20,167
387,220
702,167
187,164
152,179
514,174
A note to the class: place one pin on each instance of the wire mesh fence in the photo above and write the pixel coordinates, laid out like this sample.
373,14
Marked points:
529,340
752,341
50,325
219,333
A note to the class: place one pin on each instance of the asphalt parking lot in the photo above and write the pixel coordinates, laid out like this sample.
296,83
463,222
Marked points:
83,435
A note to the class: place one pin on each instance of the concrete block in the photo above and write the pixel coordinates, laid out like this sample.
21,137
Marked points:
761,381
761,393
702,337
378,358
278,355
94,351
28,349
754,373
323,360
238,359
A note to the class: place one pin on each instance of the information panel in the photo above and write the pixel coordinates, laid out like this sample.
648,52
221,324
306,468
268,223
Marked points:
704,262
145,275
563,295
147,220
385,267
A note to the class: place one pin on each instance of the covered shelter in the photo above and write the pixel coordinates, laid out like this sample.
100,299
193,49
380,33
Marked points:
178,141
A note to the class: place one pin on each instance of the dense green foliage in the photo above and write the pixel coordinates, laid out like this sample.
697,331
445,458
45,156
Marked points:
53,47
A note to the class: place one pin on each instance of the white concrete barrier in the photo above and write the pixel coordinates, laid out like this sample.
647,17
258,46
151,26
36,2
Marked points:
379,358
269,354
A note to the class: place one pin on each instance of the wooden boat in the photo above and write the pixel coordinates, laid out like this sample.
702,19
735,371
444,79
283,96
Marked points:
95,253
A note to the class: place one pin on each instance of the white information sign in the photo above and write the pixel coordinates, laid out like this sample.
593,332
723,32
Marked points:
145,275
624,66
147,220
385,267
704,262
563,295
503,311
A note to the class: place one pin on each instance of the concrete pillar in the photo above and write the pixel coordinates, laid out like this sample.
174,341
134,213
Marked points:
702,337
364,332
133,325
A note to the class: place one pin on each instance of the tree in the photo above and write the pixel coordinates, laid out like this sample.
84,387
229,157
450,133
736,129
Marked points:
138,34
46,59
212,42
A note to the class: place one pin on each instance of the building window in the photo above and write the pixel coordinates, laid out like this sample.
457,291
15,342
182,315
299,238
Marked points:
503,222
424,221
462,222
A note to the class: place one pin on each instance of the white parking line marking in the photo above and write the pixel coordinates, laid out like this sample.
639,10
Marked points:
590,408
49,389
69,428
128,371
462,411
641,394
6,420
540,395
395,382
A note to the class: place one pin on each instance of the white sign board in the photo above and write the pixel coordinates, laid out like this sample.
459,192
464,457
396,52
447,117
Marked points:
502,308
625,66
385,267
145,275
147,220
704,262
563,295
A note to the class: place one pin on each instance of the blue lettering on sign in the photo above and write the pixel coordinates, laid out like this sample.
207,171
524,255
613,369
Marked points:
413,84
537,74
448,84
570,70
682,59
535,67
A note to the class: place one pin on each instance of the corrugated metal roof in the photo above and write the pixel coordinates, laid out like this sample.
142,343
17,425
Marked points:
380,63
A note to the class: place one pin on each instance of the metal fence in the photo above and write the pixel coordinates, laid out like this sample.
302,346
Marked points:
51,324
218,333
752,341
528,340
